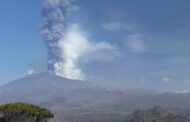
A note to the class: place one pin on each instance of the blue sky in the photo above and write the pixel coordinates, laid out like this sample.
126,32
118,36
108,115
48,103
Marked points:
152,38
20,40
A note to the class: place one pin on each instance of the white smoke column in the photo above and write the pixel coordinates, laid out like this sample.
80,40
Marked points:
75,45
66,47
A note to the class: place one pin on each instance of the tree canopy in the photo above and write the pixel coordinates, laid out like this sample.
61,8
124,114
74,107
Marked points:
24,112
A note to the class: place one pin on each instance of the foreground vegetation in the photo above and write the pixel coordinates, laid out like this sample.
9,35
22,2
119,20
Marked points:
24,112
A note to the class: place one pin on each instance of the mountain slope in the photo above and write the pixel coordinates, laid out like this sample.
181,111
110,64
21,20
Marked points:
38,85
50,90
156,114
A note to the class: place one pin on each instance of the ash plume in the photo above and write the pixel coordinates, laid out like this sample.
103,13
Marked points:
54,16
66,46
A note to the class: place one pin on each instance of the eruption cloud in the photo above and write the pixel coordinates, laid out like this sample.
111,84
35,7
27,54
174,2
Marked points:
66,46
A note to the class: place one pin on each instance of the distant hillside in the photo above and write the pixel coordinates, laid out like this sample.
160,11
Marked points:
156,114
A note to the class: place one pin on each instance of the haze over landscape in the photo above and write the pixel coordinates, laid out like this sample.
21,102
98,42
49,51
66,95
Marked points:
97,60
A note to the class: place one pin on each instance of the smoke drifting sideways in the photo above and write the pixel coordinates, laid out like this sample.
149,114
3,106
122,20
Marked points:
66,46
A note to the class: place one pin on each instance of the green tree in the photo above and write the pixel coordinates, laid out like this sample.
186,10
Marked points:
24,112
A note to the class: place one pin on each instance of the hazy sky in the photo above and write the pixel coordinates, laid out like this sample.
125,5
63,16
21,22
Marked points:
151,37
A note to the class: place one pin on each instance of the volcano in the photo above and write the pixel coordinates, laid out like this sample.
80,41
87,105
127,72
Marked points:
50,90
65,96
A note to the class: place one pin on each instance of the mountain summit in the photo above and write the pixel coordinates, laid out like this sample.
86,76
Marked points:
50,90
38,87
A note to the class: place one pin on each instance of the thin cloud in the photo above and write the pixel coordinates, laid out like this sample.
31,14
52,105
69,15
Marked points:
166,79
30,72
116,26
112,26
183,92
135,43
